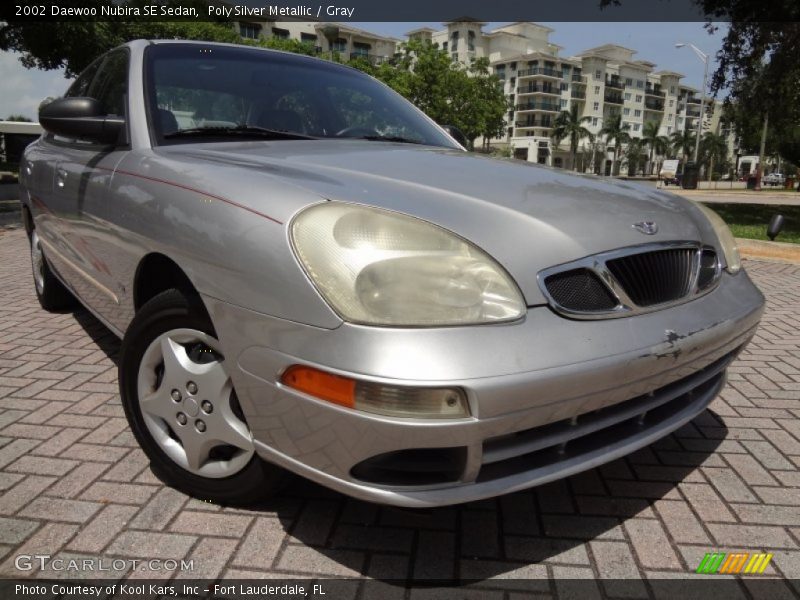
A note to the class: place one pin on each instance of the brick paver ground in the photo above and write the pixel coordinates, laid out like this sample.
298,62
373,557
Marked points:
73,482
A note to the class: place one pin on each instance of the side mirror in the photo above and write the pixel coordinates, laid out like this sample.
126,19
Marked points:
81,118
456,134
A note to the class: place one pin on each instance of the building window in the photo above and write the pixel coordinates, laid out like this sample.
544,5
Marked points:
627,96
672,103
626,111
669,129
598,74
672,89
594,121
308,38
250,30
564,87
637,113
636,126
361,49
279,33
628,81
596,90
471,41
339,45
638,97
563,103
596,106
639,83
444,46
669,118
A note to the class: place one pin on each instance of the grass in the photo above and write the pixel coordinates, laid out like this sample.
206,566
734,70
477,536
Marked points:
750,220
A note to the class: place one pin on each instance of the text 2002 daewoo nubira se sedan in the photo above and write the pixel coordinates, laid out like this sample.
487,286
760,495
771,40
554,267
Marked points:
310,275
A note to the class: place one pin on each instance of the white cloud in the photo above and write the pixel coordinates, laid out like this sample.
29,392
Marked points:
23,89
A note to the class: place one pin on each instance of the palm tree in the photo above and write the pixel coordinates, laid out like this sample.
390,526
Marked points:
615,131
635,154
569,125
682,143
713,148
658,143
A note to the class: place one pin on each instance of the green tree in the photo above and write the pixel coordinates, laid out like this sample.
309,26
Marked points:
18,118
658,144
569,125
616,132
468,98
635,155
713,152
682,143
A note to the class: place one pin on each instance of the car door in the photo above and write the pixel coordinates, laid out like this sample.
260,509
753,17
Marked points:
80,192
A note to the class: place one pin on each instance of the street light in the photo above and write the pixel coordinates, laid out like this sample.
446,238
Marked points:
704,58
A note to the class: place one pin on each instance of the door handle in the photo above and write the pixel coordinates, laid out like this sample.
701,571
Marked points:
61,176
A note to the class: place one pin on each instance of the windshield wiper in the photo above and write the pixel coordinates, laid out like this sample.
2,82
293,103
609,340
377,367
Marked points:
239,131
390,138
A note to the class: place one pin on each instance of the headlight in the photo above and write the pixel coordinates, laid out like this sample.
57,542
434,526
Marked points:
379,267
727,242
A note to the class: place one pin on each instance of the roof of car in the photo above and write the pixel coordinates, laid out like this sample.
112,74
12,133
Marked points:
246,47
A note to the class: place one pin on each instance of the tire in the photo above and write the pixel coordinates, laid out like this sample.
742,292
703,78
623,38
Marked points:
182,408
51,293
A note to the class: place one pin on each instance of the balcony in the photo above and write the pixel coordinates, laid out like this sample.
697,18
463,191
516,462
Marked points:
614,83
539,89
693,113
612,98
533,123
654,91
577,77
657,105
579,95
548,106
540,71
693,100
372,58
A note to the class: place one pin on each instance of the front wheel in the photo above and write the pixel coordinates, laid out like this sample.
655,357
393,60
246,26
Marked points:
181,405
50,292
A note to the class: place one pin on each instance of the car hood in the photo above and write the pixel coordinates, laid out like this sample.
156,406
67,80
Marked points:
526,216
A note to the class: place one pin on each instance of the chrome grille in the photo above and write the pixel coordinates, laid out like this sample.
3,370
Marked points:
655,277
631,280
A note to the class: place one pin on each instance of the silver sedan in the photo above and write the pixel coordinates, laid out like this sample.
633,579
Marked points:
308,274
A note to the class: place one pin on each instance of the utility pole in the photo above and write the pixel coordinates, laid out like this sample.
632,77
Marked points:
761,152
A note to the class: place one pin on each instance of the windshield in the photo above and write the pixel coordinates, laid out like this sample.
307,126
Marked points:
215,93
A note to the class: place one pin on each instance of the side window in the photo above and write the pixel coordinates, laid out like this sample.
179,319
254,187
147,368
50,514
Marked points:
80,87
110,87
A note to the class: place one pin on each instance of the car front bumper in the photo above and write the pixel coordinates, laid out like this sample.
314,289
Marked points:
549,396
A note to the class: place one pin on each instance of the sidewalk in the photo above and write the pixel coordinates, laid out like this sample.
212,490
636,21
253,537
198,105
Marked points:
775,197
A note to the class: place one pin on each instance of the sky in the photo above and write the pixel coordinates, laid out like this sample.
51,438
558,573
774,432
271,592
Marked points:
23,89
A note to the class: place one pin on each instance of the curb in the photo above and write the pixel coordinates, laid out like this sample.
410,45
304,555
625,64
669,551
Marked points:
772,251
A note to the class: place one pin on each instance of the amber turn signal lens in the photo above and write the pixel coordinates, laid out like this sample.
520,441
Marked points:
378,398
325,386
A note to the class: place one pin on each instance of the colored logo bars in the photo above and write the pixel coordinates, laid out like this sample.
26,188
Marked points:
735,563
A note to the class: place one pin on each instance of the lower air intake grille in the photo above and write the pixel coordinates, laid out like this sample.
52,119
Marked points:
655,277
580,290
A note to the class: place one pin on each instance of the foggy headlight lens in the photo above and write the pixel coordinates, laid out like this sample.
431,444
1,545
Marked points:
727,243
379,267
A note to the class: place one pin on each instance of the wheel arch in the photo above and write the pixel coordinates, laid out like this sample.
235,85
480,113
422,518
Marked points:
157,273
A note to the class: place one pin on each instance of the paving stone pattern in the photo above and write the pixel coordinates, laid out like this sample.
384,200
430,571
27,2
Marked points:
73,482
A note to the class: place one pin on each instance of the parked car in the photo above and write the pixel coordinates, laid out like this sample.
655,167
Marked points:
774,179
307,273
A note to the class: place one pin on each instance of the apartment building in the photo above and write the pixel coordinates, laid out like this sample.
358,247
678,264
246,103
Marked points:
602,81
348,41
